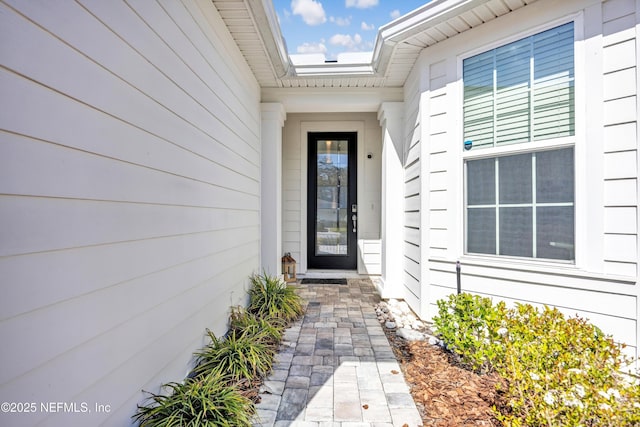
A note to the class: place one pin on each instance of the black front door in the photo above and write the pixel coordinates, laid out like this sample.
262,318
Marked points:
332,201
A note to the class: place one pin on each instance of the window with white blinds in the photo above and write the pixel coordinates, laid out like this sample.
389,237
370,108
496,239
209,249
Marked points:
519,200
522,91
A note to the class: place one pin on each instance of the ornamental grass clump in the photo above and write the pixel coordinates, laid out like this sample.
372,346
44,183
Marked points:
229,368
265,330
238,355
270,297
559,371
206,401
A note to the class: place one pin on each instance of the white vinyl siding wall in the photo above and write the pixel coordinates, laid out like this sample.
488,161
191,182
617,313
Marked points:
439,179
620,91
602,285
413,172
129,182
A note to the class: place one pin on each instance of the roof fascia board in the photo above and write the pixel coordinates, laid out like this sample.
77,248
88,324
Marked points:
429,15
267,24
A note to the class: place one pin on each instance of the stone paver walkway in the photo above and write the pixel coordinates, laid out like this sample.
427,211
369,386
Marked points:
335,367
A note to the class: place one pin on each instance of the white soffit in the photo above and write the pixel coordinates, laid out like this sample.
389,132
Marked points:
254,26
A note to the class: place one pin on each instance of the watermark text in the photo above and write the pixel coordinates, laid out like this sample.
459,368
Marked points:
54,407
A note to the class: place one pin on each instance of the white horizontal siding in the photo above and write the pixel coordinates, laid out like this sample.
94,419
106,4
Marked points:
162,112
610,304
412,187
413,192
439,136
292,194
619,62
619,56
189,275
371,251
602,284
413,153
130,158
621,192
620,110
620,137
108,179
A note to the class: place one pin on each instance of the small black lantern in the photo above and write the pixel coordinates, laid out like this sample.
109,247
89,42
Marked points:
289,268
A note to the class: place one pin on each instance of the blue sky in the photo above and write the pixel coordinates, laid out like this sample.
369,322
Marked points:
335,26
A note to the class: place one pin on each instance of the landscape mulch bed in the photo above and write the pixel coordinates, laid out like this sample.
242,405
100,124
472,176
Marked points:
447,394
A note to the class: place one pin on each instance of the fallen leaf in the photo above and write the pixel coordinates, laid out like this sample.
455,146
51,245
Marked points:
394,372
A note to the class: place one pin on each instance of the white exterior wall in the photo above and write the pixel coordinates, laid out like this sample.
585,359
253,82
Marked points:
130,197
602,285
413,194
294,182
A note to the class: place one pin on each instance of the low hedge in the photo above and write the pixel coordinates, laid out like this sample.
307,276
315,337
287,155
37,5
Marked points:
559,371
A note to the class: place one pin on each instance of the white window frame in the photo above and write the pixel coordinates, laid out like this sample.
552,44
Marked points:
574,141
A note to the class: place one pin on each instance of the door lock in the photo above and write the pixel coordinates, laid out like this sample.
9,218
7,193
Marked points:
354,218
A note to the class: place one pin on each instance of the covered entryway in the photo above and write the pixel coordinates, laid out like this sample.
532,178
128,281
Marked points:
318,149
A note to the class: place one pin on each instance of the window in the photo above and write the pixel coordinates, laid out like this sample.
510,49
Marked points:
521,94
521,205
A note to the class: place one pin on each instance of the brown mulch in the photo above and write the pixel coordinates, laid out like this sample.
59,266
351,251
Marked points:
447,395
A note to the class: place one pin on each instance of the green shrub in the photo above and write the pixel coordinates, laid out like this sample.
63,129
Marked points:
266,330
270,297
206,401
559,371
471,327
564,372
240,356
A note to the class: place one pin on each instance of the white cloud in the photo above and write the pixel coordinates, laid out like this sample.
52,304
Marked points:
395,14
312,48
284,18
311,11
366,27
361,4
341,22
347,41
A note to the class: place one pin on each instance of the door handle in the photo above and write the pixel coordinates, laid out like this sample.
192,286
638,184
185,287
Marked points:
354,218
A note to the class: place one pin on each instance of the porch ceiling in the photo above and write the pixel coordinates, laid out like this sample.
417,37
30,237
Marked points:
254,26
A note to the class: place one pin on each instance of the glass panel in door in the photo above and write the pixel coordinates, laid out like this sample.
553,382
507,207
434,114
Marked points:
332,189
